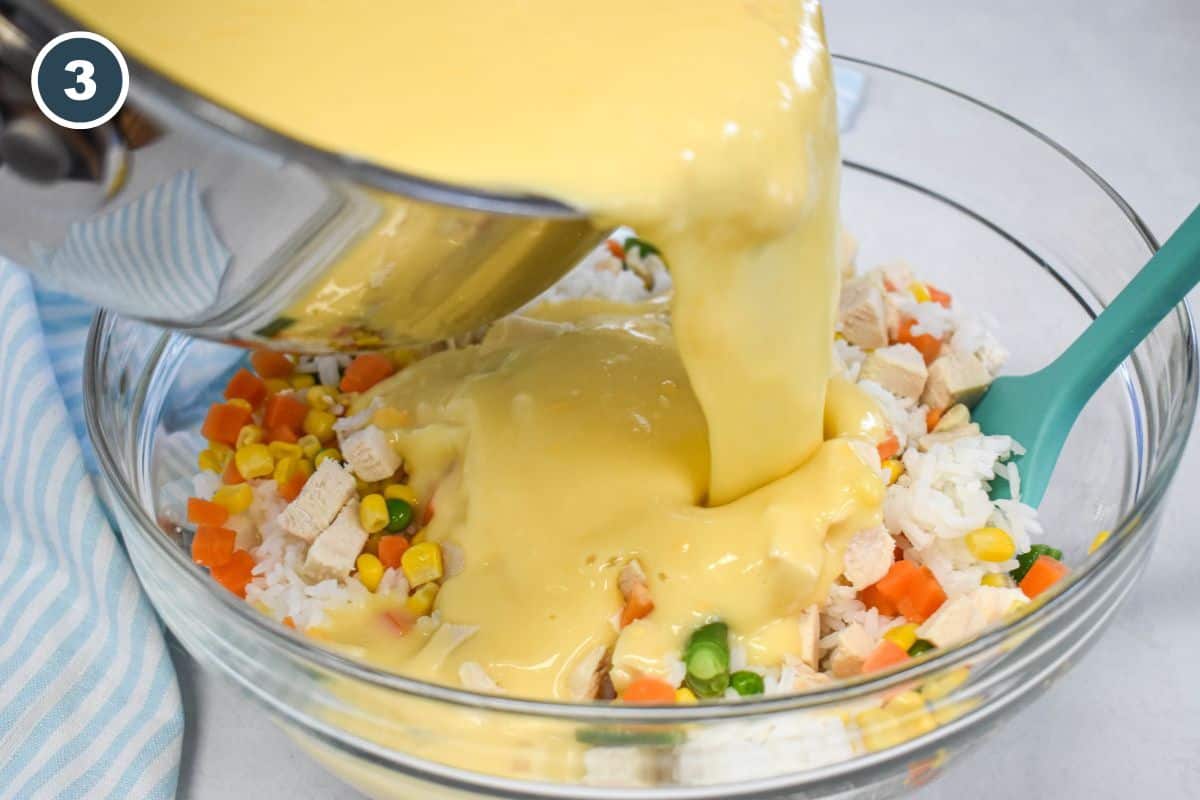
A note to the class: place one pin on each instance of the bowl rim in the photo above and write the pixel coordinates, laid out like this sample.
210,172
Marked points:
1158,478
170,98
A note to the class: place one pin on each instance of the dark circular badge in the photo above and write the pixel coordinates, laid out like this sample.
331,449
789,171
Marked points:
80,80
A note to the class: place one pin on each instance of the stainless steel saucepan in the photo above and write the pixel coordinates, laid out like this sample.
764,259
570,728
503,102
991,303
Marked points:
187,215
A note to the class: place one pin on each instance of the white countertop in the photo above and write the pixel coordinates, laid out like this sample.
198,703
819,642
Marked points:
1116,83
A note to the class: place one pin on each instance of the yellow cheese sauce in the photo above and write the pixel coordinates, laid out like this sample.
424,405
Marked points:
562,448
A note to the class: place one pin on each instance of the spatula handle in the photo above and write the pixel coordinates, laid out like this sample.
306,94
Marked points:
1160,286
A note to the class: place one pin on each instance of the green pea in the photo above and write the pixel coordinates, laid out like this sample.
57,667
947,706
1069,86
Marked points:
1025,560
400,514
746,683
921,646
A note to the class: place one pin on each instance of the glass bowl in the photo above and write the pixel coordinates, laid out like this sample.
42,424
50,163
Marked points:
985,207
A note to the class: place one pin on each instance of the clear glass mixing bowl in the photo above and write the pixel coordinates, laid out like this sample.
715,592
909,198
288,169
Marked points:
986,208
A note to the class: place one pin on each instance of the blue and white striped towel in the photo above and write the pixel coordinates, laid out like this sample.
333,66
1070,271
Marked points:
89,706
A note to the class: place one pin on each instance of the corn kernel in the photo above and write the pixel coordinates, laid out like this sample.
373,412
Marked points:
685,696
326,454
319,424
390,418
235,499
285,450
210,461
309,446
420,602
240,403
366,339
254,461
991,544
322,398
401,491
903,635
302,380
919,292
276,385
370,571
305,467
285,468
373,513
1099,541
996,579
249,434
422,563
894,469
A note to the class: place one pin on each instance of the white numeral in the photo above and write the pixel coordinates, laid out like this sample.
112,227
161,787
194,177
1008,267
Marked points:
84,70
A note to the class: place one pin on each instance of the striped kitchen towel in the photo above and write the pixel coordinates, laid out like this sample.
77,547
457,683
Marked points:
89,706
157,256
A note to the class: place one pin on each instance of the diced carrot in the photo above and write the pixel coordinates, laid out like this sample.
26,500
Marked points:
288,622
1044,573
638,605
284,411
907,590
927,345
400,620
206,512
248,386
366,371
888,285
615,248
652,691
932,417
887,654
270,364
235,573
391,548
938,296
293,486
871,597
888,447
282,433
427,514
223,422
231,475
213,546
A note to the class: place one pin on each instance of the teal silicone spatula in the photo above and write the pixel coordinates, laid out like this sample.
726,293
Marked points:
1038,410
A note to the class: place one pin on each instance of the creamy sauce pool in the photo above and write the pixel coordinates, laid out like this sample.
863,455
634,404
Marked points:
557,451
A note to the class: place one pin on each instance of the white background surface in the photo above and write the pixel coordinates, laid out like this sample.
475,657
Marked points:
1118,83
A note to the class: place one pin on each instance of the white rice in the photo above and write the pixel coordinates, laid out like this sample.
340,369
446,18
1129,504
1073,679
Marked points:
942,495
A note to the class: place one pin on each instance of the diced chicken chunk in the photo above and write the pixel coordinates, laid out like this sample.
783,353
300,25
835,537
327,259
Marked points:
869,556
631,576
369,455
319,502
810,636
853,646
926,442
332,554
861,313
967,615
898,275
584,680
900,369
955,378
806,678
